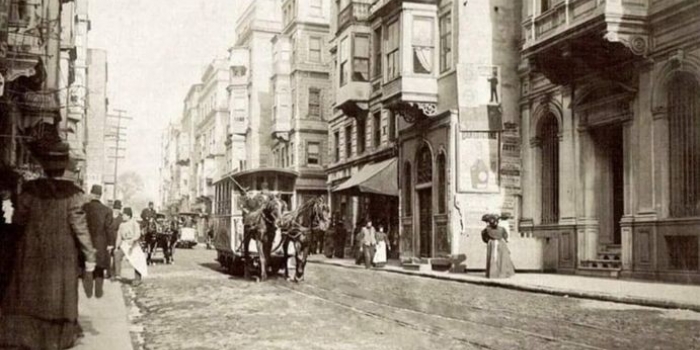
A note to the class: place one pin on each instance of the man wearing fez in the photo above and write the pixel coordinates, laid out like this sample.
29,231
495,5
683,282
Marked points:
117,219
99,221
148,213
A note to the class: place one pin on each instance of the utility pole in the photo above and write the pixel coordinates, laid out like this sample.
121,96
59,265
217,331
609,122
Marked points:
118,137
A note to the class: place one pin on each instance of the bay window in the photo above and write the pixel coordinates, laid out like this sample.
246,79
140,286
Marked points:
391,39
422,45
344,54
360,58
445,42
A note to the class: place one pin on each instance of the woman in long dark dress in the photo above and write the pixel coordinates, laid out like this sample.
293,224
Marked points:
498,262
40,306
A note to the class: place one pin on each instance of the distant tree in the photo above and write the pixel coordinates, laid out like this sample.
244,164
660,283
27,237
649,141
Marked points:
130,184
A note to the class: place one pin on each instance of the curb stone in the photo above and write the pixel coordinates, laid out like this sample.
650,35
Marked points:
664,304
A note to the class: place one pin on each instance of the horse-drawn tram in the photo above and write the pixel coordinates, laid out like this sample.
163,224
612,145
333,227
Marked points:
252,219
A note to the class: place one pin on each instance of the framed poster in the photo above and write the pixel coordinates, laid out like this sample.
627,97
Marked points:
478,159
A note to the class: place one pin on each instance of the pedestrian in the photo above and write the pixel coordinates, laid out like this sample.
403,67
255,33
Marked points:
498,262
380,255
40,306
369,242
117,219
127,245
99,221
9,233
340,237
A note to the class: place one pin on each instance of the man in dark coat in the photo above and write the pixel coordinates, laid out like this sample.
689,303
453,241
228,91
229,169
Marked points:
99,221
148,213
111,245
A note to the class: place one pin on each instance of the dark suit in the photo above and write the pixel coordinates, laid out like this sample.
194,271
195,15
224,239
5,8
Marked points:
99,222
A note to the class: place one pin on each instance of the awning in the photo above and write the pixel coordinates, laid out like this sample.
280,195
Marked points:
378,178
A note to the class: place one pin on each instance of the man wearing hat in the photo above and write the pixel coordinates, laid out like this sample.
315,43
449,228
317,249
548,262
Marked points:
99,220
148,213
117,219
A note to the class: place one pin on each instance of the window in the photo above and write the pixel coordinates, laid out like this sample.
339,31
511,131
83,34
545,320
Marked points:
315,49
545,5
290,154
377,53
391,38
424,165
442,183
422,45
361,135
360,58
683,100
376,129
336,145
445,42
348,142
313,153
549,136
392,126
407,190
314,103
344,55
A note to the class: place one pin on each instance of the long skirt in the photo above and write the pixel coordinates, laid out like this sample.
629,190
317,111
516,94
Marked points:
498,262
380,255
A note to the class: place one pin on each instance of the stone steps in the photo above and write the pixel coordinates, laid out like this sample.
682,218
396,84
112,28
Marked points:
607,264
608,272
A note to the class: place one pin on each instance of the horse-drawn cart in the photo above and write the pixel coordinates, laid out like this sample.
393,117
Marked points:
159,236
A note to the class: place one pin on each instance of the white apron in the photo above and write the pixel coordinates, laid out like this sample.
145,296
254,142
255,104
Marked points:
380,253
135,257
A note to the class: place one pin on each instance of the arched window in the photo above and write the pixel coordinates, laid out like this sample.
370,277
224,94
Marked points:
683,98
549,136
424,166
442,183
407,191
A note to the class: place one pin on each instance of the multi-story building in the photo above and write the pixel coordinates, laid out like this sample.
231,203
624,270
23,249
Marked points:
97,166
428,92
30,69
210,132
189,157
73,69
301,87
170,172
249,141
610,111
362,147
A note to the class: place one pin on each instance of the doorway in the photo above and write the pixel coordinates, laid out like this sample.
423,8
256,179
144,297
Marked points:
425,215
610,178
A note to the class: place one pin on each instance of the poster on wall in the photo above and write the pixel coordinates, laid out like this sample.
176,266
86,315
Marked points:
478,161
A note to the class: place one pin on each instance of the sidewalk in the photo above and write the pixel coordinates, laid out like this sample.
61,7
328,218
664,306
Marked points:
104,320
653,294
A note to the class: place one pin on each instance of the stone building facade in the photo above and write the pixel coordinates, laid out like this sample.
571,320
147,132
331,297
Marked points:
610,119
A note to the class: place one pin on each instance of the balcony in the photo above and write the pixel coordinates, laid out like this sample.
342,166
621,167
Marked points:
414,97
356,12
353,98
558,40
381,8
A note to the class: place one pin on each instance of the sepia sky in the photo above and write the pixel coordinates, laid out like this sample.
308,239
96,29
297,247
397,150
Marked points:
156,49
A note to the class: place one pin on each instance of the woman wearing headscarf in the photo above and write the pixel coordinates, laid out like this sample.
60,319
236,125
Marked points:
498,262
128,245
40,306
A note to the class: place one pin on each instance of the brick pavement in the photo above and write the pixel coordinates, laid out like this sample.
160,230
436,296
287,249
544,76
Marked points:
653,294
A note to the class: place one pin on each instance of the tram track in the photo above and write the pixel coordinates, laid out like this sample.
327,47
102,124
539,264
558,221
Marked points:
546,339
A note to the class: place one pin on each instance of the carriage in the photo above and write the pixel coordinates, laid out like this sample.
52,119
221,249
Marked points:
188,229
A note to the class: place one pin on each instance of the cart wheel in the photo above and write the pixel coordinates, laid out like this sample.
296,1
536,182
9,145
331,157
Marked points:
237,267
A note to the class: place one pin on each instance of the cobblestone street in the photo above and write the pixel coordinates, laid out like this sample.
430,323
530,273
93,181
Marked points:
193,305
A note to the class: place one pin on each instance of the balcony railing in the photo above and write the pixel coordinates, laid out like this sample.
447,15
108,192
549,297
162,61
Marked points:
356,11
563,15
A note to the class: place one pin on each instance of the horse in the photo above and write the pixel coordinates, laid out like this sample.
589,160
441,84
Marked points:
301,227
261,225
157,237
